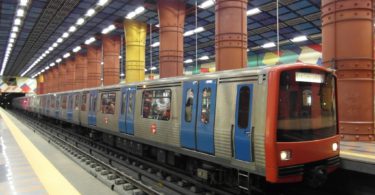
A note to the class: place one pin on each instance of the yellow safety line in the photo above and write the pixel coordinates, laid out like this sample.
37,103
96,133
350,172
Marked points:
53,181
357,155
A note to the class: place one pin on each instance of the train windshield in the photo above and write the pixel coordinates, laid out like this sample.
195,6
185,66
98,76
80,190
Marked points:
307,109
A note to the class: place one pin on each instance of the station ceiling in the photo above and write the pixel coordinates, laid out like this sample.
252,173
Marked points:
45,21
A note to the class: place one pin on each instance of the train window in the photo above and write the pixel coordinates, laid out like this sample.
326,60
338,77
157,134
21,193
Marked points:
123,106
52,105
84,99
131,102
58,102
76,102
306,106
64,100
243,107
108,103
189,105
206,103
156,104
70,102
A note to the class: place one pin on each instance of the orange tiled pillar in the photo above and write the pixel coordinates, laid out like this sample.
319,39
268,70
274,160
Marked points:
347,42
62,77
93,66
111,66
171,50
70,75
56,80
47,81
230,34
81,71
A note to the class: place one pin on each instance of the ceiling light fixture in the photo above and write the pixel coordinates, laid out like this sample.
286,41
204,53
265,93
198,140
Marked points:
299,39
77,49
80,21
20,12
156,44
67,55
15,29
24,2
253,11
136,12
59,40
17,22
206,4
72,29
204,58
102,2
90,12
108,29
188,61
268,45
58,60
90,40
65,35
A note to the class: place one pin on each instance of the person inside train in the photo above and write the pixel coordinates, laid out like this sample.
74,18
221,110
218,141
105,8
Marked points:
189,105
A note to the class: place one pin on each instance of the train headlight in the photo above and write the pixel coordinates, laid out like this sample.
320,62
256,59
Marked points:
285,155
335,146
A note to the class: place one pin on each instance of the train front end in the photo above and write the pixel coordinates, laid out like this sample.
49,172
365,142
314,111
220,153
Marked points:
302,142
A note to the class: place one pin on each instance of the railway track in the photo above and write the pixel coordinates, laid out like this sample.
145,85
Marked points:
119,170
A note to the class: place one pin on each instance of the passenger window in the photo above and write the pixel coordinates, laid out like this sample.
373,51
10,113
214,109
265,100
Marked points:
156,104
52,102
243,107
58,102
70,103
206,102
63,105
108,103
84,99
130,104
123,106
189,105
76,102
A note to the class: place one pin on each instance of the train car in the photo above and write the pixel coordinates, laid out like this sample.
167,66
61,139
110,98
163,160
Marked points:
277,123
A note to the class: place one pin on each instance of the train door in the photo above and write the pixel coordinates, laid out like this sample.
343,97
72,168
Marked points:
189,114
197,127
69,110
122,115
130,111
92,108
243,125
57,106
48,106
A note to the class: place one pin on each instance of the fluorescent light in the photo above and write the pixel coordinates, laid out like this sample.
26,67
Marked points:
76,49
269,45
102,2
204,58
157,25
72,29
80,21
253,11
43,70
130,15
145,70
198,30
58,60
47,68
17,22
59,40
55,45
90,12
188,61
188,33
156,44
119,57
11,40
50,48
122,74
299,39
20,12
108,29
52,64
139,10
90,40
15,29
23,2
13,35
65,35
67,55
206,4
191,32
153,68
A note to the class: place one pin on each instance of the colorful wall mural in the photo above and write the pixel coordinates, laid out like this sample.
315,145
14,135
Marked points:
17,85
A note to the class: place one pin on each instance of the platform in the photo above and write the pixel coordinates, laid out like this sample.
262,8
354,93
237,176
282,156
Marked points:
358,156
30,165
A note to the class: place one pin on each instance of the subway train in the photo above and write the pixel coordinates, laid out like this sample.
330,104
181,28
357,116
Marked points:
277,124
